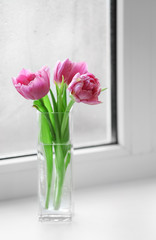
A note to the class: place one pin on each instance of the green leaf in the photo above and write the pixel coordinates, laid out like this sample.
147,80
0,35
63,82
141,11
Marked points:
66,132
55,116
59,106
39,106
66,117
45,132
64,97
53,101
103,89
62,86
57,89
67,160
59,99
72,97
47,103
70,105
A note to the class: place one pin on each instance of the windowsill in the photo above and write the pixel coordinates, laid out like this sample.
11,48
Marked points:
120,211
96,166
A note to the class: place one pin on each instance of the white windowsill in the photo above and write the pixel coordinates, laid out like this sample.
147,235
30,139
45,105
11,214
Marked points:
121,211
96,166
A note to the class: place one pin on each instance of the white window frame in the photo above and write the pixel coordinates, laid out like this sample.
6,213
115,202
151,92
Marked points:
134,156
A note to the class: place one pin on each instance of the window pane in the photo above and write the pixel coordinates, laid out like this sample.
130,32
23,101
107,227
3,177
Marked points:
34,33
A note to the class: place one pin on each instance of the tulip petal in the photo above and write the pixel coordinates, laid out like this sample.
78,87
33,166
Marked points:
22,79
80,67
91,102
39,87
25,91
74,81
85,95
24,72
56,70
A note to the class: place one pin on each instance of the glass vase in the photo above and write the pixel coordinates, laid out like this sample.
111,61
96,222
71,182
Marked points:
55,152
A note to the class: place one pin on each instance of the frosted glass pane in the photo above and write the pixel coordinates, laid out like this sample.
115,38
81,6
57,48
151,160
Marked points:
34,33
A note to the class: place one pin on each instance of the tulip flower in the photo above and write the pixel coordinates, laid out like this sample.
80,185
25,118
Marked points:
33,85
67,70
85,88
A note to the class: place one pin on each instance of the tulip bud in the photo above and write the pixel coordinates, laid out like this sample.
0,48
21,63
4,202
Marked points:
67,70
33,85
85,88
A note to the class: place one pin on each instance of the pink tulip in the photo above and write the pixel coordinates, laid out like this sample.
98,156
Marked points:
68,69
85,88
33,85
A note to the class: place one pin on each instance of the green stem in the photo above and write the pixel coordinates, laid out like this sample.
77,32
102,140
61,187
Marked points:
58,191
48,196
59,179
56,123
68,157
49,161
59,102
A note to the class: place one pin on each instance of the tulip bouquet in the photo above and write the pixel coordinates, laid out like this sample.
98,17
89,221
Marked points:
69,78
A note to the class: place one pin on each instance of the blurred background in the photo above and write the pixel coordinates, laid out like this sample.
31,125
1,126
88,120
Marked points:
115,142
34,34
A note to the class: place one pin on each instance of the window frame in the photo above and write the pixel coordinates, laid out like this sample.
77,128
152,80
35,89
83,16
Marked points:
133,157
